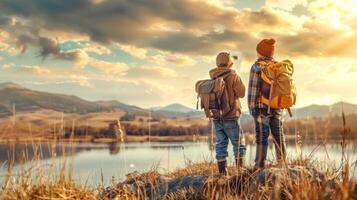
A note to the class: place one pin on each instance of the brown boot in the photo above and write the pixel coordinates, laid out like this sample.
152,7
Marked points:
260,156
222,167
240,161
280,151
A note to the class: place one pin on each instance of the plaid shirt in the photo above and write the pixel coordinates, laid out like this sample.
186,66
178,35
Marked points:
254,87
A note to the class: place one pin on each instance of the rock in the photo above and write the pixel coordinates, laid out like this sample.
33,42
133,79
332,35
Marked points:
161,187
188,182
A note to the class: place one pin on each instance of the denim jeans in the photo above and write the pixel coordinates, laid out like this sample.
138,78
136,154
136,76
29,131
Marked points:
228,129
264,124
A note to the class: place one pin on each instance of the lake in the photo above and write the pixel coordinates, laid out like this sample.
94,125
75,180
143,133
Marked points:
91,161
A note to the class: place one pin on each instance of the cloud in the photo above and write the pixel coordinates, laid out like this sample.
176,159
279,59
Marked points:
133,51
173,26
36,70
318,40
6,42
49,47
96,48
327,79
300,10
8,65
117,69
285,4
208,44
166,58
148,72
54,75
158,89
95,2
178,28
80,80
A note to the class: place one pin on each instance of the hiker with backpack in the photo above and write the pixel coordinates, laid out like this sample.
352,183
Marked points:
220,100
271,89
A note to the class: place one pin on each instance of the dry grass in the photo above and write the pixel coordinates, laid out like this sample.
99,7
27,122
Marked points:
280,183
62,189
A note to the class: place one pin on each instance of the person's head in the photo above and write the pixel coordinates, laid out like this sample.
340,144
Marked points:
266,48
224,59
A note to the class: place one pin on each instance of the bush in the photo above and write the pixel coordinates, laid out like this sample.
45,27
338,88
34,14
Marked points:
128,117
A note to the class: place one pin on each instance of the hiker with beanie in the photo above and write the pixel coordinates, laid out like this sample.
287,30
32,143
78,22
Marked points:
267,119
220,100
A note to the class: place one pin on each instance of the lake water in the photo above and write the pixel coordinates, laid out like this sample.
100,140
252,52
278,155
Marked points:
92,161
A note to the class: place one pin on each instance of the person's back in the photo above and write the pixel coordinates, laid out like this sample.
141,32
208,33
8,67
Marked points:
235,90
266,119
227,127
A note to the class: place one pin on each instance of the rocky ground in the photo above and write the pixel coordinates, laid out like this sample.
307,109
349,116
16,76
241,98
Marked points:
297,180
292,181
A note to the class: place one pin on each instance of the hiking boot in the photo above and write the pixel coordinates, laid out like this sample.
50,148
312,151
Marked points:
280,154
261,155
222,167
240,161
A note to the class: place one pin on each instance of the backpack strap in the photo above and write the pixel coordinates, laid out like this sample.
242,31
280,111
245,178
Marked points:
224,75
198,98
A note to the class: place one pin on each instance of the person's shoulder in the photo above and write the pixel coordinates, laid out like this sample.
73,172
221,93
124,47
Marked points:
256,67
232,71
212,72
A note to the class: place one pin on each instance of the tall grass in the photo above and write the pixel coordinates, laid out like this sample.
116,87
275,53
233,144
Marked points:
299,179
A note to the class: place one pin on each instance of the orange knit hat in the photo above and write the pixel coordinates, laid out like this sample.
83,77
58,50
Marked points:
266,47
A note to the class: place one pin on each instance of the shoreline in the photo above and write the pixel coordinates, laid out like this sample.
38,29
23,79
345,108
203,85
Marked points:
249,138
128,139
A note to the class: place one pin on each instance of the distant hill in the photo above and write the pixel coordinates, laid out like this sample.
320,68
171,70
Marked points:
324,110
312,111
177,110
117,105
27,100
9,85
175,107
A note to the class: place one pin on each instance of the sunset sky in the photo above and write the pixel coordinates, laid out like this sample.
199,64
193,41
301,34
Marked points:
151,52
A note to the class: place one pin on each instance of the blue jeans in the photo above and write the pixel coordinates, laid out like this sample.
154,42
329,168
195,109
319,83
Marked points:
264,124
228,129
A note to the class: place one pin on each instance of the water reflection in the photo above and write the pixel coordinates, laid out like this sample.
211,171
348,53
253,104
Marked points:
114,148
91,160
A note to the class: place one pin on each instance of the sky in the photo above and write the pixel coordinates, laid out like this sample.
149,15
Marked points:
151,53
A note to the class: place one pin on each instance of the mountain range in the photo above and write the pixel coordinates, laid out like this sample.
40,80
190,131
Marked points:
14,96
177,110
324,110
29,100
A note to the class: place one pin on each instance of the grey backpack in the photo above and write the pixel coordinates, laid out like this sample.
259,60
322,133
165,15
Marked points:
214,96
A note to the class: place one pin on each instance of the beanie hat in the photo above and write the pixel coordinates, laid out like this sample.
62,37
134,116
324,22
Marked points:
266,47
224,59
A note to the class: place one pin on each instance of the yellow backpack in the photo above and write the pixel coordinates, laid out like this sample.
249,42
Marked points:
278,90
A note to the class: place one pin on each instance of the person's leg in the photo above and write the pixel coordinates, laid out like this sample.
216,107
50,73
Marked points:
242,149
221,146
232,129
278,135
261,138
